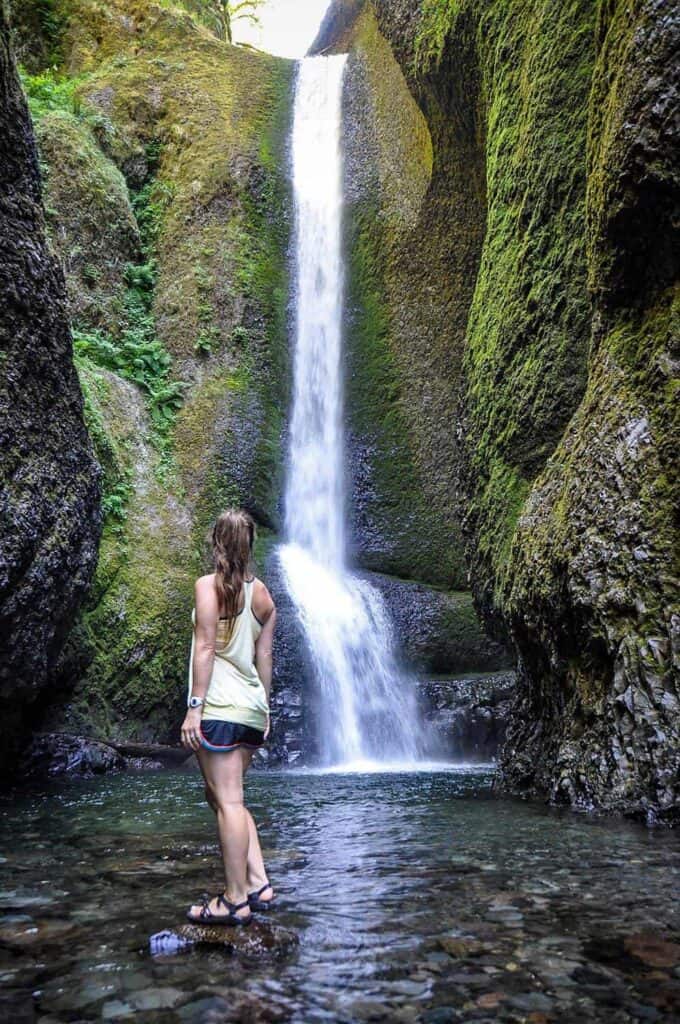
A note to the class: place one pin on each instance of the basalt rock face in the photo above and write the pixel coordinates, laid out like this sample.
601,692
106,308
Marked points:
50,499
407,304
564,422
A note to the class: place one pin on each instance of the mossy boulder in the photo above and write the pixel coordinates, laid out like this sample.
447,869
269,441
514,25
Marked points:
90,219
128,655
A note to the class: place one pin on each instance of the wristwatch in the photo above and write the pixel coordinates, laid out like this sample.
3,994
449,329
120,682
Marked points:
194,702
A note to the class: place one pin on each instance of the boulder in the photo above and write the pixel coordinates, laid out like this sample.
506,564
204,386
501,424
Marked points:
50,754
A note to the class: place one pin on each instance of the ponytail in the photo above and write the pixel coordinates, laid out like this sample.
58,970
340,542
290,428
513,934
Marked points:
233,537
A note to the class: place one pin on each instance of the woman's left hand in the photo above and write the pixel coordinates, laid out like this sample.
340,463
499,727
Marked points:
191,729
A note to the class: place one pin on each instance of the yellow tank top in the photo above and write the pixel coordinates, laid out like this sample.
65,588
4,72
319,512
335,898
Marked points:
235,692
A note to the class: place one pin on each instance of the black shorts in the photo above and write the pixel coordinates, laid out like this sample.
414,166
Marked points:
220,736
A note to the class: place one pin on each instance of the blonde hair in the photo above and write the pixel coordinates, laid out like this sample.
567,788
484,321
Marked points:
233,537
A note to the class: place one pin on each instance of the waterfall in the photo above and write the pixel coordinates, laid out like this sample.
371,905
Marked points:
368,707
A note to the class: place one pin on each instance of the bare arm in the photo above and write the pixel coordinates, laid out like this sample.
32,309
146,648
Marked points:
205,635
263,652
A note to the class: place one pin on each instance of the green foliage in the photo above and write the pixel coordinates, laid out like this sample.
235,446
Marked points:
150,204
52,24
48,91
436,20
141,358
220,15
239,336
115,503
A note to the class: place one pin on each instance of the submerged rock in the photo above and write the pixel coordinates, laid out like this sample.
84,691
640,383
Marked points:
26,933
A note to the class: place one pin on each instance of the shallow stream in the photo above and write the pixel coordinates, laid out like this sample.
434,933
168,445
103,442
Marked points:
416,897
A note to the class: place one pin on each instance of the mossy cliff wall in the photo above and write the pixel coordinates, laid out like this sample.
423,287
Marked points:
164,155
566,422
410,241
50,496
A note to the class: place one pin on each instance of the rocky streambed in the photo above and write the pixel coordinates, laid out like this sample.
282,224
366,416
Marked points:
401,897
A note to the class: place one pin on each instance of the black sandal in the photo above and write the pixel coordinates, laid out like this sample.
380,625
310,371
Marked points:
206,916
254,901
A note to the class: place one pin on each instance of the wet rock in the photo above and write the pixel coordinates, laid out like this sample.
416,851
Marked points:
469,713
653,949
51,520
291,669
157,753
489,1000
369,1010
58,753
438,630
531,1001
226,1005
115,1009
259,939
27,933
568,509
143,764
161,998
460,947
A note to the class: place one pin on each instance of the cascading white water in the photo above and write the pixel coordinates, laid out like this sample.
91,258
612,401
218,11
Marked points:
369,710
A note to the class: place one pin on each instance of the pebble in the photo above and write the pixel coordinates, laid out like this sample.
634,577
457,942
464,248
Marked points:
156,999
116,1010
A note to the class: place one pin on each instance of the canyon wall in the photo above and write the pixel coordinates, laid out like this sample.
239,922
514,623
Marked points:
50,498
164,158
552,208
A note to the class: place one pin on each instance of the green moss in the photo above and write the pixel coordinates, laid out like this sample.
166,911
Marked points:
196,132
404,328
436,20
528,333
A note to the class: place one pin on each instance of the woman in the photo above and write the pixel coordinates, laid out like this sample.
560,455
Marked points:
228,718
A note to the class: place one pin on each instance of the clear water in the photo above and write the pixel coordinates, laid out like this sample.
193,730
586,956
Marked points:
416,897
369,707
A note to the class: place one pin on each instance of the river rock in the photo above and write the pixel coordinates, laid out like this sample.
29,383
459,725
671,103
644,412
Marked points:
258,940
227,1005
653,949
51,754
26,934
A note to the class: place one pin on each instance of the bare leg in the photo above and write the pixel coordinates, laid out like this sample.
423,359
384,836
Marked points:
257,872
224,781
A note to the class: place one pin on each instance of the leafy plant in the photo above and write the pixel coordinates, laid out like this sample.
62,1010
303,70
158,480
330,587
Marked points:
48,91
141,358
115,503
206,341
220,15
